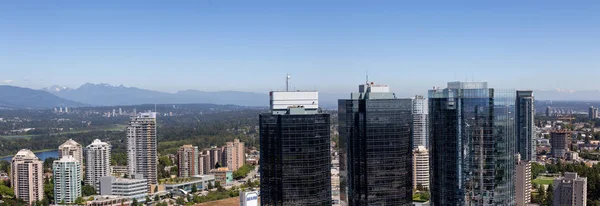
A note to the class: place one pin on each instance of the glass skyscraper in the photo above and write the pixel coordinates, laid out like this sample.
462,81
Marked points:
375,148
472,137
525,113
295,154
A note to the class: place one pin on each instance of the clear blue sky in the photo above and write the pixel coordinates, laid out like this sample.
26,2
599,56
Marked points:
251,45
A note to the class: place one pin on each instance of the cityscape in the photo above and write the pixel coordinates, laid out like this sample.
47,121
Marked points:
312,103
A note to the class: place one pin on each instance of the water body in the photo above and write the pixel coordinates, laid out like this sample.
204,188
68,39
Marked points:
41,155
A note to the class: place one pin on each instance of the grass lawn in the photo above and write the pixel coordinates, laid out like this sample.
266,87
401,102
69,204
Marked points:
541,180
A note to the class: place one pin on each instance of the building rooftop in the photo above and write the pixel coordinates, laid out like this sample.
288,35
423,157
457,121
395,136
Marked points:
25,154
70,143
67,158
97,142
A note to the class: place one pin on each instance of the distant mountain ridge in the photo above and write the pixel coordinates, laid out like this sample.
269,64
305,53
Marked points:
12,97
108,95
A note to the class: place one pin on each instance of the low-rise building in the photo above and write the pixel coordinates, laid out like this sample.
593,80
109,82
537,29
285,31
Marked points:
131,188
223,175
108,200
200,182
119,170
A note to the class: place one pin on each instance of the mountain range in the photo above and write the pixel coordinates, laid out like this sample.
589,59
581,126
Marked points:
89,94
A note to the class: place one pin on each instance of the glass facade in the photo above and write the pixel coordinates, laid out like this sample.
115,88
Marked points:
295,159
525,120
473,137
375,151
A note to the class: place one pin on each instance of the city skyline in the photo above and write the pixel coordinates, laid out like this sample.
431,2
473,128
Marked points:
221,44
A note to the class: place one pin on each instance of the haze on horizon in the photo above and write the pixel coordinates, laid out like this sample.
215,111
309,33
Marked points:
327,46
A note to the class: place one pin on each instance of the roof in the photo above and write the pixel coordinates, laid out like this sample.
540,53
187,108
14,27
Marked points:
67,158
25,154
70,143
97,142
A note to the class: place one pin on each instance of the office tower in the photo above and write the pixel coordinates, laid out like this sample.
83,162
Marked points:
570,190
234,155
27,176
558,143
66,174
141,146
120,111
97,162
66,110
593,113
525,120
523,183
375,147
295,158
187,161
420,122
473,140
132,188
215,156
548,111
60,109
420,168
114,113
74,149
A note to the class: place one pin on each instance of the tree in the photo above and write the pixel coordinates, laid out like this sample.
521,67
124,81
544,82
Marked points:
134,202
155,188
194,189
536,169
180,201
156,198
210,186
79,201
148,200
88,190
217,165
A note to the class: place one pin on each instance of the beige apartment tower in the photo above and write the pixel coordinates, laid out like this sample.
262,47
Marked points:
70,147
187,161
141,147
233,155
97,163
523,187
26,175
570,190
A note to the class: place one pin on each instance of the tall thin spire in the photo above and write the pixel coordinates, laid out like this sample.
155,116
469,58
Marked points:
287,82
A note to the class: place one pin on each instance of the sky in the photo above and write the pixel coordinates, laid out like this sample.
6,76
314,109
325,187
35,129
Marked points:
328,46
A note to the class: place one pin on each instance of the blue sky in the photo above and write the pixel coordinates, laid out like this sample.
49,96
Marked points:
251,45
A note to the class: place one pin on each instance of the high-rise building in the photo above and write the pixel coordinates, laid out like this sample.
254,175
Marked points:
593,113
215,156
67,175
120,111
570,190
375,147
97,162
420,122
233,155
420,168
523,187
72,148
559,143
295,158
473,137
204,162
525,130
141,146
187,161
26,175
548,112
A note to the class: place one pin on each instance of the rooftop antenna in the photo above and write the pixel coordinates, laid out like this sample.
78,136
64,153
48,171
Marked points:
367,76
287,82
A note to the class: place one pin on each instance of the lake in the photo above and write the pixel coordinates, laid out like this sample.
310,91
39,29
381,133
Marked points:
41,155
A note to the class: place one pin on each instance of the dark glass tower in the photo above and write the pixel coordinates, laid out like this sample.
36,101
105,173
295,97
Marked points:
525,121
295,159
472,137
375,148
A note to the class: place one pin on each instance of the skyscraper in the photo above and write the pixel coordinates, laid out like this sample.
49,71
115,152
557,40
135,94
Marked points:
295,158
420,168
27,176
523,187
141,146
593,113
233,155
472,136
570,190
559,143
70,147
66,174
187,160
97,162
204,162
215,156
548,111
420,122
525,130
375,147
